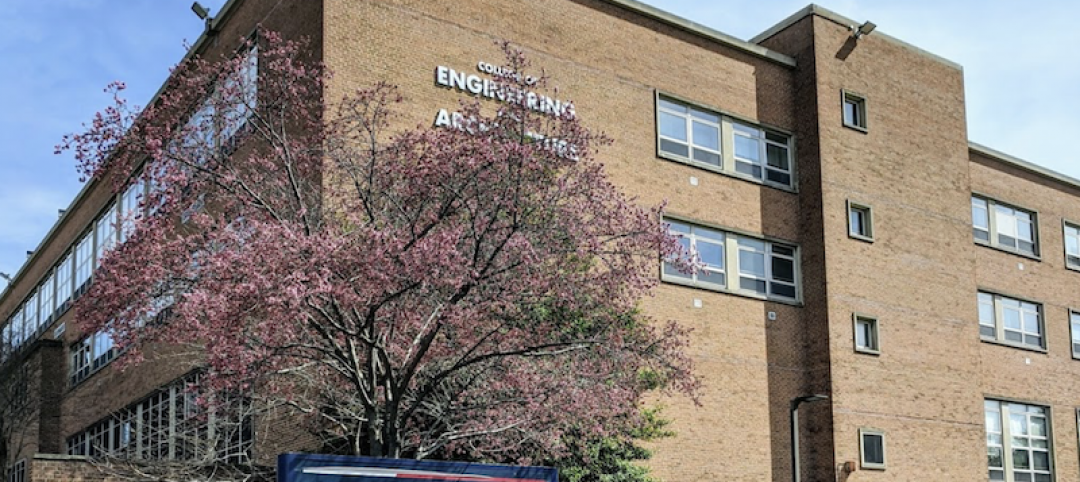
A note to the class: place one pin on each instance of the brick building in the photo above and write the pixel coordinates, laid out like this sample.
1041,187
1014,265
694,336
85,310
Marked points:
857,244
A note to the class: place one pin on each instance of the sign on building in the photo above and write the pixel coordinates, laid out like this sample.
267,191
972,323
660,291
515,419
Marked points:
294,467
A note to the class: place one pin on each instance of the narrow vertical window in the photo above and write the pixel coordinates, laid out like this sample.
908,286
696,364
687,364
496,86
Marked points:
1074,329
872,448
860,221
854,111
1072,246
866,334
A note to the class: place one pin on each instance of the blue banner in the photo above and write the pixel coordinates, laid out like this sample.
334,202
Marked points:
294,467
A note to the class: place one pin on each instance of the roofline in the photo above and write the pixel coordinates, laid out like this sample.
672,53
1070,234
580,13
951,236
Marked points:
700,30
814,9
209,31
1024,165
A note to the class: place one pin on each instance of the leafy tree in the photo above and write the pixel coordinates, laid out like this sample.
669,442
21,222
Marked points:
459,292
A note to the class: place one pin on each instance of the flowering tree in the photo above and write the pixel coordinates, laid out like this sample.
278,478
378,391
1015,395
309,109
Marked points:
458,292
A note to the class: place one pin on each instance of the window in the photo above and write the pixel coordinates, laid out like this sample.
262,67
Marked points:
17,472
1074,329
708,139
1010,320
64,272
872,448
170,425
48,297
854,111
1017,442
84,261
130,209
90,355
1003,226
860,221
1072,246
866,334
30,323
736,263
105,232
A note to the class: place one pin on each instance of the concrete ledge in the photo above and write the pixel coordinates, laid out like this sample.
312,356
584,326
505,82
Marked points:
62,457
814,9
702,31
1024,165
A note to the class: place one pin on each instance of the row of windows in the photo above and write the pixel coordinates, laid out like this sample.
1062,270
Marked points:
1002,319
170,425
1018,443
735,263
71,276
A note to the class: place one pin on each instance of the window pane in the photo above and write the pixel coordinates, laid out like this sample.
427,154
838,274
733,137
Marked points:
751,262
667,104
747,148
709,116
873,449
784,290
755,285
994,457
709,276
777,156
1021,459
783,269
674,148
706,157
779,177
711,254
672,126
706,136
862,334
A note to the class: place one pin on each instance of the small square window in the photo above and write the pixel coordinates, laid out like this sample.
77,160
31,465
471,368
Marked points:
872,448
866,334
854,111
860,221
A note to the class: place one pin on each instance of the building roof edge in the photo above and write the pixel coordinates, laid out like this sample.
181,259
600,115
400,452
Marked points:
208,31
703,31
1024,165
815,9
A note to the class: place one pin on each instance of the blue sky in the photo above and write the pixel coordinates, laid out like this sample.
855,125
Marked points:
1021,68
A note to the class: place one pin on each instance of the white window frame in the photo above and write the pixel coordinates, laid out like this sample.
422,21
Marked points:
858,103
729,128
731,268
1071,234
90,355
1074,333
867,464
994,227
65,275
867,214
873,344
1003,439
999,304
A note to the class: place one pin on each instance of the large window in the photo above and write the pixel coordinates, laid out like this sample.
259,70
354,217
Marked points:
1017,442
170,425
90,355
1072,245
737,263
708,139
105,232
1010,320
1003,226
64,272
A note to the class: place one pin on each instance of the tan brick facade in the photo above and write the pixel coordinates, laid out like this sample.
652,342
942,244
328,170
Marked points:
913,166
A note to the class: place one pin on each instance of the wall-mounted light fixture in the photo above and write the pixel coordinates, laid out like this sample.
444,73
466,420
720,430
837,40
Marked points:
200,10
863,29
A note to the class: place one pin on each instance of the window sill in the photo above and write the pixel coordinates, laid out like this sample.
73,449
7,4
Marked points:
866,466
859,237
867,351
1072,267
712,289
995,341
1009,251
718,170
857,128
